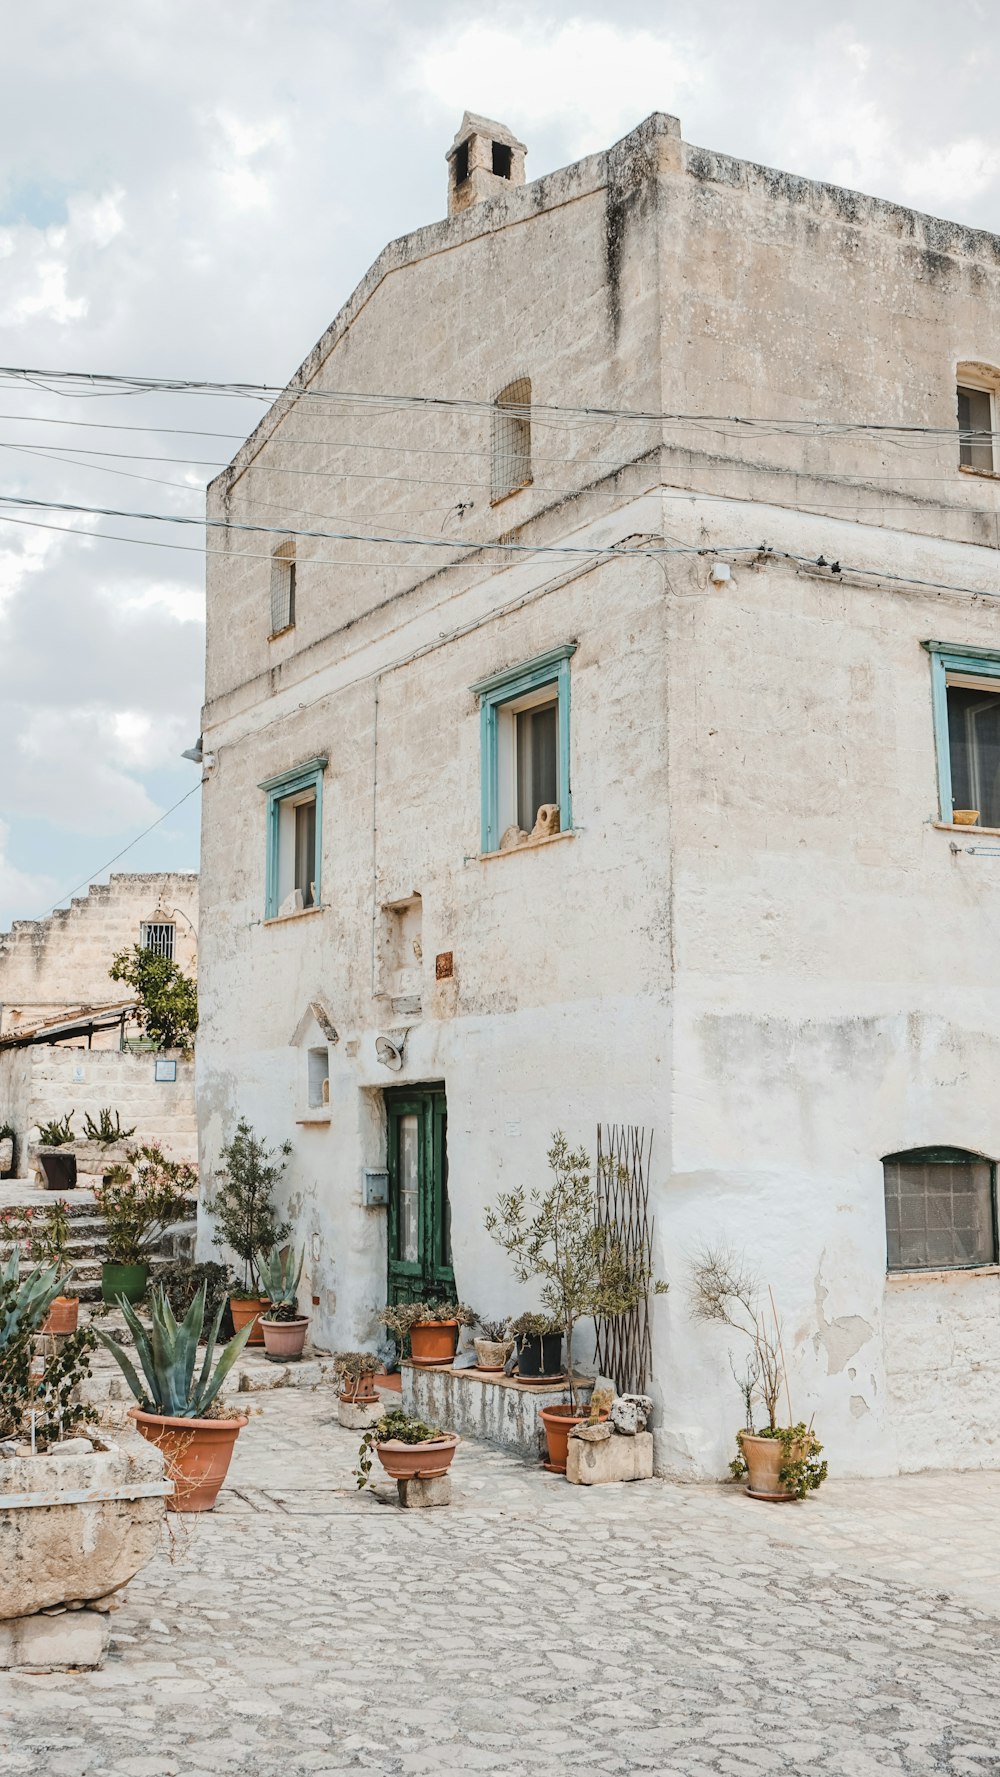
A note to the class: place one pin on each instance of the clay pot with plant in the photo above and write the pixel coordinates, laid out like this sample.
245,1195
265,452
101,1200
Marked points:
561,1235
246,1221
39,1383
494,1345
138,1200
356,1372
408,1449
539,1341
179,1406
284,1328
431,1327
8,1150
43,1238
781,1463
59,1168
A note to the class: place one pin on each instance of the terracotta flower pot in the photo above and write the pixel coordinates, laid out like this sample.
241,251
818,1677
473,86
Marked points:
558,1423
765,1458
284,1339
357,1394
244,1308
492,1354
407,1462
433,1341
197,1454
62,1316
123,1280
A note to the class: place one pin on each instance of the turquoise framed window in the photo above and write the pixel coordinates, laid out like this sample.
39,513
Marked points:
965,688
294,839
524,730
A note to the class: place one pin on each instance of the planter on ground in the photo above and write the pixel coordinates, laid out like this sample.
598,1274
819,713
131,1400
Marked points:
246,1311
59,1169
284,1339
558,1423
783,1466
197,1453
63,1316
420,1462
123,1280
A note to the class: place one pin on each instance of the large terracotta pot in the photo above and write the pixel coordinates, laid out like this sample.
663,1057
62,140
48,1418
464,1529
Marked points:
244,1308
765,1458
408,1462
433,1341
284,1339
62,1316
123,1280
558,1423
197,1453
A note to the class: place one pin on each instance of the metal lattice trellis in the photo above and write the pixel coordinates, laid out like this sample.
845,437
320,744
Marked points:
624,1343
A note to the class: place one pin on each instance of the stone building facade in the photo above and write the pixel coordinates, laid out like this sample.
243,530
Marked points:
687,547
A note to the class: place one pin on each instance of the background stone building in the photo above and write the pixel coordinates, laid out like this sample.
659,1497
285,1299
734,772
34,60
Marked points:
752,660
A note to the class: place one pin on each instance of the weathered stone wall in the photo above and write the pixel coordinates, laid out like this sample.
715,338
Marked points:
41,1082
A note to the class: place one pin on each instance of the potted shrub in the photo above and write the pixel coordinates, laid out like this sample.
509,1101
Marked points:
180,1283
408,1449
283,1326
495,1346
432,1327
138,1200
246,1220
780,1462
59,1169
539,1347
356,1372
585,1269
178,1411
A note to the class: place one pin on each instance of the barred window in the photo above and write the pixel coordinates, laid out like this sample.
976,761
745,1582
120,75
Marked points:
283,587
940,1210
511,452
158,936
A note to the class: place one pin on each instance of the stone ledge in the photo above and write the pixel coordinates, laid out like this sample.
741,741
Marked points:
614,1458
71,1639
479,1404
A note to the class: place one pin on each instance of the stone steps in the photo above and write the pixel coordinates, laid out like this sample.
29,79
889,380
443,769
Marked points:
87,1243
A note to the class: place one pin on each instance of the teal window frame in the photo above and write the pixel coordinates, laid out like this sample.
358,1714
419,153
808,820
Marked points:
506,687
277,789
953,657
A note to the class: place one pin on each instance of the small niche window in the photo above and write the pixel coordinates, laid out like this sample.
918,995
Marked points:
524,716
294,839
511,440
966,686
283,588
158,936
977,422
503,160
940,1210
461,163
318,1078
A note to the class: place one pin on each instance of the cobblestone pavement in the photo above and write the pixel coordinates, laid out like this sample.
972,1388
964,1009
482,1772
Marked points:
535,1628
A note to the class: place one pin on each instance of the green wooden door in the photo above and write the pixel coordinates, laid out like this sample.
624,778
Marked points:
420,1266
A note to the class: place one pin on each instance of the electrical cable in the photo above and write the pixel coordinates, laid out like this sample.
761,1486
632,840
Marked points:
120,854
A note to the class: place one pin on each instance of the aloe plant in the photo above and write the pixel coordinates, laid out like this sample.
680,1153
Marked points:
24,1302
168,1351
279,1281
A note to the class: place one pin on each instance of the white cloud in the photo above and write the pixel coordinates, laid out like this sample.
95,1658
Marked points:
23,894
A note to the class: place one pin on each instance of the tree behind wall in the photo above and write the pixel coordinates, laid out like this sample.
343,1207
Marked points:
168,999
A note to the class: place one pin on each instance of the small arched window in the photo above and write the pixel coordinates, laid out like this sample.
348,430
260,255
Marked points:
940,1210
511,454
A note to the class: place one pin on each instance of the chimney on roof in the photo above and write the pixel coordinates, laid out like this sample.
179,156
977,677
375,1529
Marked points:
484,160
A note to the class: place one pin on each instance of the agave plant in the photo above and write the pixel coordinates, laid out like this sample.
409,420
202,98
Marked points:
279,1282
24,1302
168,1352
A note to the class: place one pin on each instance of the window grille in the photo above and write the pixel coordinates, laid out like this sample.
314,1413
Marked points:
940,1211
283,587
511,441
159,938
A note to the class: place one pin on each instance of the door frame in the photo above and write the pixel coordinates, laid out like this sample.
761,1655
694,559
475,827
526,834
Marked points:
432,1273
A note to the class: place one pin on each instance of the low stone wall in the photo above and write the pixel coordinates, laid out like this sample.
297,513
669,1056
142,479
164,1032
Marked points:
42,1083
479,1404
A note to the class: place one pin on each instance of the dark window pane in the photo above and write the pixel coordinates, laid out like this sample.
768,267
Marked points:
305,851
939,1213
975,421
974,746
537,762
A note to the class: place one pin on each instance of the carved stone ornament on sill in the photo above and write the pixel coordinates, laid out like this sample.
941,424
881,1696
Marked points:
546,824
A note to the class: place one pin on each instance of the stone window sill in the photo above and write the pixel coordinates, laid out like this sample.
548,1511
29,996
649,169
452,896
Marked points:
316,1119
276,634
983,474
961,827
514,851
946,1274
284,919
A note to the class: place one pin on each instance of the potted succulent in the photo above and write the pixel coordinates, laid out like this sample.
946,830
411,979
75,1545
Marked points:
539,1347
59,1169
356,1372
283,1326
105,1131
246,1220
495,1346
138,1200
586,1270
781,1462
408,1449
179,1411
44,1239
432,1327
8,1144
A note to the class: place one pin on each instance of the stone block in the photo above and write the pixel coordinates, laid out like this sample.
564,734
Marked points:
414,1495
70,1638
616,1459
592,1434
359,1415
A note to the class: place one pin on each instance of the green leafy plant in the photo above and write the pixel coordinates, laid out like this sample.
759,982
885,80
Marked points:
168,999
38,1379
181,1282
351,1367
558,1236
58,1133
139,1199
801,1470
279,1281
246,1220
535,1326
43,1237
168,1352
104,1130
401,1317
396,1424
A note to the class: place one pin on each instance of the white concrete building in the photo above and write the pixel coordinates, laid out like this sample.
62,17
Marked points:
637,492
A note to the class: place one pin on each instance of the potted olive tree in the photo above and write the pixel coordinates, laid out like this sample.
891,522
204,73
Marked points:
432,1329
246,1220
178,1410
560,1237
780,1462
284,1328
138,1200
408,1449
539,1340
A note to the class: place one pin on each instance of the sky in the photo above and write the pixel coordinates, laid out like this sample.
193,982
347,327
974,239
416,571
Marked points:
192,191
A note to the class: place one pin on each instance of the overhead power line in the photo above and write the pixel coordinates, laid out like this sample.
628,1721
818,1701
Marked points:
119,854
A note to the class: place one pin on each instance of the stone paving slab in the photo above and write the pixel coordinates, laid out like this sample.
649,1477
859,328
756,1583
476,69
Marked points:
532,1628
